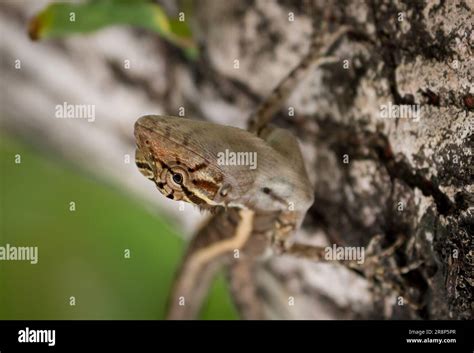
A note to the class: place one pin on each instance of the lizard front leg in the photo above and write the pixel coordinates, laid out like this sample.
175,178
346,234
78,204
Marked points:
242,272
317,55
244,290
209,250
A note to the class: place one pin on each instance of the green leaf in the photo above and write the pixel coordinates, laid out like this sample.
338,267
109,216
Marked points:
63,19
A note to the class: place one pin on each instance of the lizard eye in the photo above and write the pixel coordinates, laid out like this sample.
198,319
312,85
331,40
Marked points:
178,178
174,178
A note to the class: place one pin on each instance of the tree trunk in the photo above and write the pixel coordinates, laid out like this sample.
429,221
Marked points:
403,174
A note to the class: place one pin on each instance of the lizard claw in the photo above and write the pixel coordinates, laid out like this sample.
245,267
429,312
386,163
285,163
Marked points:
380,267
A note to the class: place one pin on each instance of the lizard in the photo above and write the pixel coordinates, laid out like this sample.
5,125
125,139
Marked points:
252,207
256,211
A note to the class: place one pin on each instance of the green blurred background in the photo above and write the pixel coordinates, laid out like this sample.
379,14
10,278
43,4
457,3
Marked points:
82,253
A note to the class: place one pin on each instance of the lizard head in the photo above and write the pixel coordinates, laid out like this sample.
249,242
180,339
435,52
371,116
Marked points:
172,153
187,161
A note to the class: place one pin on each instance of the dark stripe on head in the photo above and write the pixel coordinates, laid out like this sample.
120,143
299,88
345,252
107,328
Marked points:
193,198
143,165
197,167
145,169
163,165
204,184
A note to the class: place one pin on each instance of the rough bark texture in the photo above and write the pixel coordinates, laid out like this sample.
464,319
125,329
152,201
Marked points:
372,176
